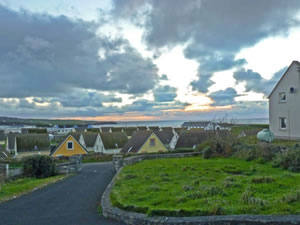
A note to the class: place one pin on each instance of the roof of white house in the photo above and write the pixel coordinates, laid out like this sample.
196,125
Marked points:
294,62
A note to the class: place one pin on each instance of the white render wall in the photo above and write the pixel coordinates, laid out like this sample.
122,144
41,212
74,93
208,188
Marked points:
290,109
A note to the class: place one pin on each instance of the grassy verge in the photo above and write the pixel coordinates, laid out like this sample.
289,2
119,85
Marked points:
196,186
23,185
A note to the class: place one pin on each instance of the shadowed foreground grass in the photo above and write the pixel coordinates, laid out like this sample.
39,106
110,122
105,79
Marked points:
196,186
24,185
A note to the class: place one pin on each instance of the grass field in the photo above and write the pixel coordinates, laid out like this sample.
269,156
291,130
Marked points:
196,186
24,185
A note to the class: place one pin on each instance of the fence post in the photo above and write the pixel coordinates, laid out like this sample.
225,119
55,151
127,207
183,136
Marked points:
117,162
7,170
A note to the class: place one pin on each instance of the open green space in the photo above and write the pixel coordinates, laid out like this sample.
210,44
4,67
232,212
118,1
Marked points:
24,185
197,187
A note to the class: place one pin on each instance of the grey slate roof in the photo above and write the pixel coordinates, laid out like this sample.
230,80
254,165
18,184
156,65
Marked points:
32,142
106,129
136,141
165,136
114,140
89,138
75,135
154,128
196,124
2,137
187,139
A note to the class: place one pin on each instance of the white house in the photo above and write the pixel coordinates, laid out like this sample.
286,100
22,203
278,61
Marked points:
284,104
92,142
206,125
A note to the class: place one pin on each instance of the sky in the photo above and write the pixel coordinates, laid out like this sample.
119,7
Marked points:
144,59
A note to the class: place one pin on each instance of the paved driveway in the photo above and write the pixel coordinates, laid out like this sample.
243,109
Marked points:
72,201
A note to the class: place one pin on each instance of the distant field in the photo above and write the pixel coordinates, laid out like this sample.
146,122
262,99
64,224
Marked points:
46,122
196,186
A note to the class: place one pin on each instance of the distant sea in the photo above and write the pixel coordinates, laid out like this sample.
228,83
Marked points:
178,123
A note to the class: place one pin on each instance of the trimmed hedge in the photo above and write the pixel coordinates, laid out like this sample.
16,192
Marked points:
39,166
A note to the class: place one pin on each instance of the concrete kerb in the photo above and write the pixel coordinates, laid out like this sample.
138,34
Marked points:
132,218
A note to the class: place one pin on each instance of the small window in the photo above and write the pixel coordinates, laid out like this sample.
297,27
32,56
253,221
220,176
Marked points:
152,142
283,123
282,97
70,145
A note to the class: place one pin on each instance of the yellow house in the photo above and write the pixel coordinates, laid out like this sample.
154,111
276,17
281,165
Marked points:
70,146
144,142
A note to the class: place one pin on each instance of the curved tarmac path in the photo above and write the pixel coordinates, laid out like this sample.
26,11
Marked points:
72,201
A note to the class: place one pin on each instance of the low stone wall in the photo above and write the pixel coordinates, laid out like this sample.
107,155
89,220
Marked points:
6,172
132,218
74,165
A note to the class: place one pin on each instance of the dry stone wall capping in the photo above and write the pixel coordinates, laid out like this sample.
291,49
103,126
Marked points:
132,218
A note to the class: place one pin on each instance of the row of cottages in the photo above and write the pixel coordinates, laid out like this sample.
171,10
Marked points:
284,104
149,141
191,138
22,145
206,125
83,143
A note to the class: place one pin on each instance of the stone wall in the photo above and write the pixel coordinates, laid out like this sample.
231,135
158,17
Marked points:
132,218
6,172
73,166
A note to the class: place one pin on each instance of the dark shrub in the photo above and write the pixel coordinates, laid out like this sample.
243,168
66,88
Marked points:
267,151
207,153
39,166
263,151
289,159
222,144
262,180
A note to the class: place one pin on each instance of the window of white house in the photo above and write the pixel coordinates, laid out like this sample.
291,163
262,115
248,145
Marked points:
152,142
282,97
283,123
70,145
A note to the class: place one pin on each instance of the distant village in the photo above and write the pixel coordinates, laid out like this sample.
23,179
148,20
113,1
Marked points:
18,142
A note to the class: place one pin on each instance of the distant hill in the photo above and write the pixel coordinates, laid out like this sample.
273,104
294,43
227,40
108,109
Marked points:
9,121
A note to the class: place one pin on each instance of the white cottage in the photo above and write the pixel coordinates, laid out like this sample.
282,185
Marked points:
284,104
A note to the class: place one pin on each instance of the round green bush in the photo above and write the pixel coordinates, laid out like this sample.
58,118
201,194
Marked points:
288,159
207,153
39,166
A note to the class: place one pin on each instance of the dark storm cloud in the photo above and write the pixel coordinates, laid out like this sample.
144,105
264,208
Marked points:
82,98
224,97
164,93
255,82
214,30
44,56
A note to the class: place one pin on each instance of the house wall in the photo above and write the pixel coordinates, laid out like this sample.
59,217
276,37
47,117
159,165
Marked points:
78,150
159,146
174,140
290,109
99,147
112,151
81,141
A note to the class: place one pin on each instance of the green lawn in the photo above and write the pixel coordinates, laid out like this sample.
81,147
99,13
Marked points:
196,186
24,185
